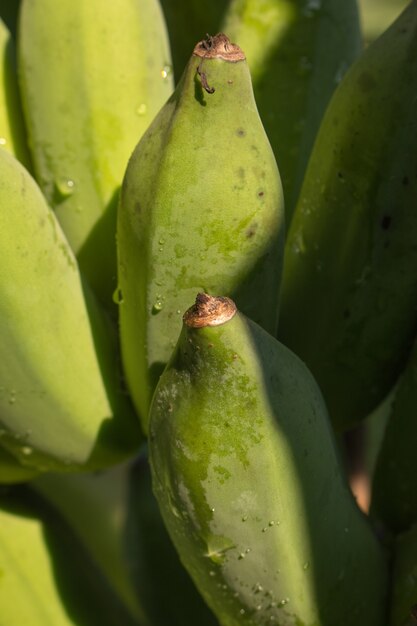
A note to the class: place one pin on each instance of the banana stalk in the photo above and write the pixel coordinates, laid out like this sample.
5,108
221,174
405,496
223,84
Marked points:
12,128
298,51
349,290
62,405
93,75
248,479
201,208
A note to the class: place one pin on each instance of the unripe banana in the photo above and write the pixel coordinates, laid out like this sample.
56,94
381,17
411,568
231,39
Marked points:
62,406
115,516
298,51
12,128
201,209
93,75
349,290
394,490
46,577
249,482
403,601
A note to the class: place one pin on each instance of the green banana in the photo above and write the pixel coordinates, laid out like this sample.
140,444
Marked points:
298,51
201,208
46,579
115,516
96,507
394,490
403,601
62,406
249,482
93,75
349,291
11,471
12,128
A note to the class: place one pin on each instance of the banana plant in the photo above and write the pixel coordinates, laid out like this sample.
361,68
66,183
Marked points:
124,197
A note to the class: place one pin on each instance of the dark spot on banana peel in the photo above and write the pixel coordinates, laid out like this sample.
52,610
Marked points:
251,230
240,132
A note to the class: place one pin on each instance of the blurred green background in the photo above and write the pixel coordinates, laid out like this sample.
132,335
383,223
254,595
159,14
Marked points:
376,15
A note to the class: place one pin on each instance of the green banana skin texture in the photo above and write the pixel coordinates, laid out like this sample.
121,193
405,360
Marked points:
115,516
201,209
46,577
12,128
93,75
62,405
403,607
249,483
394,490
349,289
297,52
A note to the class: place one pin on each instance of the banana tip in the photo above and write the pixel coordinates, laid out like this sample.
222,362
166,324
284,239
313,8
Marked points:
209,311
218,47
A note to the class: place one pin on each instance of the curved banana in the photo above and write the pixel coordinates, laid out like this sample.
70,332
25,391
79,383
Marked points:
349,290
394,489
297,52
47,578
403,597
249,482
96,507
62,405
201,208
12,128
115,516
93,75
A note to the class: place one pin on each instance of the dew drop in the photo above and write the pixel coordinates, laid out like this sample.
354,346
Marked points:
306,565
3,141
166,71
241,556
27,450
212,573
244,518
271,523
161,241
117,296
157,307
142,109
65,187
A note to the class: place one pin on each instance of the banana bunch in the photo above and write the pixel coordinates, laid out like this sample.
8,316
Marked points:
12,128
201,207
62,405
249,482
92,74
117,189
46,577
297,51
349,292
